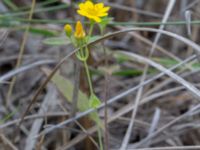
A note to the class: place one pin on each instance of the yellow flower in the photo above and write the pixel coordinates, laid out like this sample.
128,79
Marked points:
68,30
93,11
79,32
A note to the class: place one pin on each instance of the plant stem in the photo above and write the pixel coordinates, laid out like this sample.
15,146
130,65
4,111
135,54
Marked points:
99,137
91,28
88,77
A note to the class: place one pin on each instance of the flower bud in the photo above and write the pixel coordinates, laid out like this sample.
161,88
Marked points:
79,32
68,30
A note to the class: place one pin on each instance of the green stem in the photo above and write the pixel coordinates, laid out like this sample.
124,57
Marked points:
88,77
99,137
91,93
91,29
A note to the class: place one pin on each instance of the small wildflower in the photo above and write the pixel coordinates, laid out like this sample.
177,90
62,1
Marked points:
68,30
79,32
93,11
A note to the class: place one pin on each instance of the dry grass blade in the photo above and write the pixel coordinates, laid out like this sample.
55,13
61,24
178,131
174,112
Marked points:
30,117
48,101
154,124
150,43
171,148
195,92
4,34
188,14
115,5
12,73
190,5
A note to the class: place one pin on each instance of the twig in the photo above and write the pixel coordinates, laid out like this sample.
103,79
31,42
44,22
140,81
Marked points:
52,114
8,142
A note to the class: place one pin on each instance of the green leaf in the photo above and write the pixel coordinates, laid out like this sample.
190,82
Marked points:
10,4
94,101
94,38
65,87
104,22
127,72
9,115
57,41
44,32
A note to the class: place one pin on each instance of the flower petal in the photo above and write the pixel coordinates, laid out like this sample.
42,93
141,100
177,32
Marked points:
99,5
93,11
105,9
81,12
89,4
103,14
81,6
